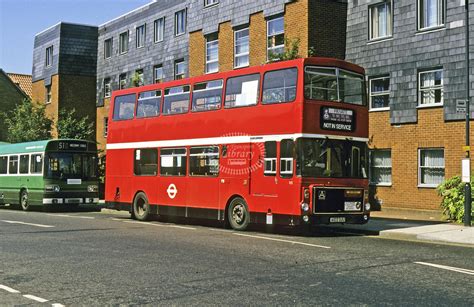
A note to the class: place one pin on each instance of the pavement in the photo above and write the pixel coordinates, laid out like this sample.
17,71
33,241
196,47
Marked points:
414,225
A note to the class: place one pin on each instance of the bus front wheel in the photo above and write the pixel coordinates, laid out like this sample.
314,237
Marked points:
141,207
24,203
238,214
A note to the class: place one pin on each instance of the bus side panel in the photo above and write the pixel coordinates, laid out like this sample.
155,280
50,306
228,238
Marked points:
118,187
202,198
171,195
10,187
35,187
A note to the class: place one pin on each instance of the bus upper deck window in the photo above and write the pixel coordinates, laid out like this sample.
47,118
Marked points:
124,107
279,86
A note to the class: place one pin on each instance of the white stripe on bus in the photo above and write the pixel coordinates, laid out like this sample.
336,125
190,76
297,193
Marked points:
228,140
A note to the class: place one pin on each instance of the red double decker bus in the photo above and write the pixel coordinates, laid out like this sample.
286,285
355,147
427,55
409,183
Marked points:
281,143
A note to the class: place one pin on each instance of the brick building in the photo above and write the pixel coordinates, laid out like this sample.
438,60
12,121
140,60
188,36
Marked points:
11,94
414,56
167,40
64,69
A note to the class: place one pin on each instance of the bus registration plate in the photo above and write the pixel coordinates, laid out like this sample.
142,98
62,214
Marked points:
339,219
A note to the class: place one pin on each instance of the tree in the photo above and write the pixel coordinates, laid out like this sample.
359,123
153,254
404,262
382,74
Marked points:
70,126
27,122
291,52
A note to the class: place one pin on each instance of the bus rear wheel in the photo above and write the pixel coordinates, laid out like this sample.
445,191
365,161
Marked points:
238,214
141,207
24,203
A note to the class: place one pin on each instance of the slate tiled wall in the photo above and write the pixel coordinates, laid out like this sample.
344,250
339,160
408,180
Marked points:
410,51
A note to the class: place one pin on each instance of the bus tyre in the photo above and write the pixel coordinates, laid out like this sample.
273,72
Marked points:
238,214
141,207
24,202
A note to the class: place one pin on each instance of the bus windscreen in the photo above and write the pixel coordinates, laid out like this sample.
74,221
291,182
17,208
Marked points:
66,165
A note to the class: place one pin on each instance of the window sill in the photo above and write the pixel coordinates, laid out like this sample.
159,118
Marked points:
122,53
179,34
387,185
242,66
380,40
431,105
380,109
431,30
160,41
427,186
141,47
211,5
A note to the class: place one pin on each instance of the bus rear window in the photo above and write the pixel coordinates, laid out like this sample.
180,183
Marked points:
176,100
242,91
124,107
279,86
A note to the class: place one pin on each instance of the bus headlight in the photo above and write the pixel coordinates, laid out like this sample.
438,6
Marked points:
305,207
52,188
367,207
92,188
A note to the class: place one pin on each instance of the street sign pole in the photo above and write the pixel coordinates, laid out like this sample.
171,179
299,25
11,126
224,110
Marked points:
467,187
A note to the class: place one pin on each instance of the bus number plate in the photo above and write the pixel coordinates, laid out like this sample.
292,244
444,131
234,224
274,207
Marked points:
339,219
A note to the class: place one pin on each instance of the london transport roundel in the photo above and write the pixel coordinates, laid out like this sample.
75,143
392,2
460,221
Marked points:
172,191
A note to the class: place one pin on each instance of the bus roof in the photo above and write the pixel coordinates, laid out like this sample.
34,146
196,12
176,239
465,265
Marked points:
28,147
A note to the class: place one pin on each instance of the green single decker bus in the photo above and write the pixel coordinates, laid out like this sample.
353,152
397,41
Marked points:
49,173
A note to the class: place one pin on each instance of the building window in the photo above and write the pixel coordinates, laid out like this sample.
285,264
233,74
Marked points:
107,48
431,167
431,14
180,22
158,73
275,37
106,126
159,30
380,20
122,81
430,87
379,93
179,69
241,48
49,56
140,36
210,2
48,94
107,87
123,42
212,53
380,167
139,78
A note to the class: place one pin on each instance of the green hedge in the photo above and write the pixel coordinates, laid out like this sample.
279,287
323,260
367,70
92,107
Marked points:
452,202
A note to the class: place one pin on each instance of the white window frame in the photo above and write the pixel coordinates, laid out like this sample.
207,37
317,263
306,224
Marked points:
209,42
49,56
122,79
107,87
432,88
441,16
428,185
389,6
176,63
382,93
177,31
122,40
381,184
269,49
105,48
159,30
140,37
244,54
48,94
155,75
208,3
